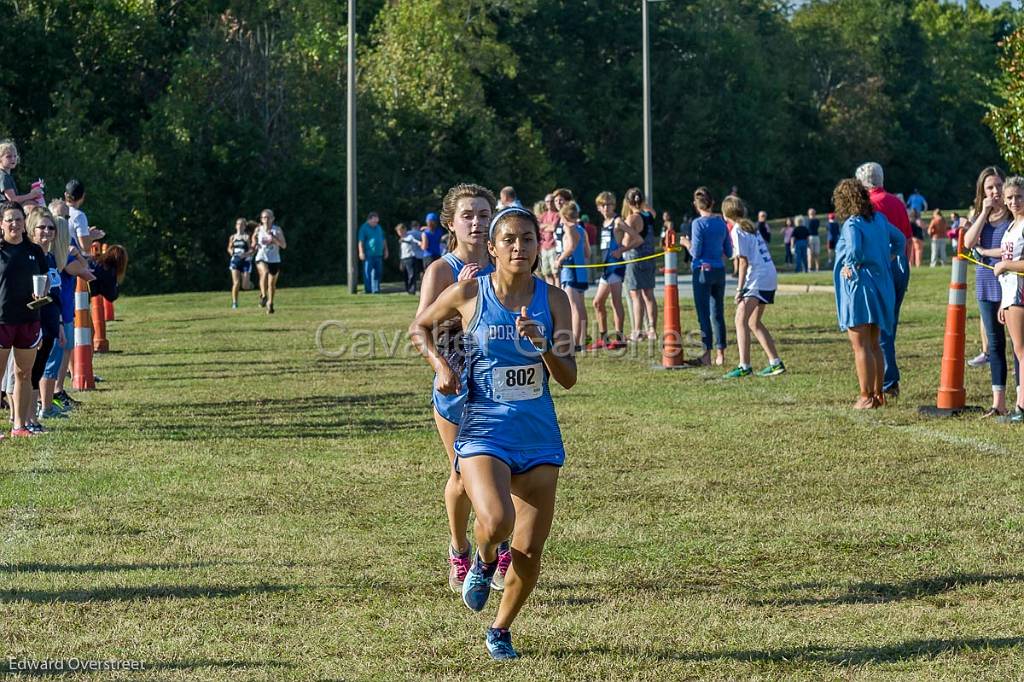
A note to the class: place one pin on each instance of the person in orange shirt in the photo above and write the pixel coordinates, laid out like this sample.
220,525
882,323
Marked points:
937,230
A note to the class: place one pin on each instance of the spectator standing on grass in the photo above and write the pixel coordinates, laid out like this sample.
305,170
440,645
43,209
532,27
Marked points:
430,243
1008,270
865,295
373,251
813,240
548,219
787,239
410,256
612,275
989,219
955,223
20,327
640,239
81,232
832,229
799,242
8,161
937,230
916,202
42,230
709,245
76,266
917,239
667,226
871,176
507,197
573,249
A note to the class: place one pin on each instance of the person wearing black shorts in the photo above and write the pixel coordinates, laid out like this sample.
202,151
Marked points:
241,251
20,327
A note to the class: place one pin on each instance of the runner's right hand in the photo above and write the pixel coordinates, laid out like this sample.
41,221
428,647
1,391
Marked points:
447,382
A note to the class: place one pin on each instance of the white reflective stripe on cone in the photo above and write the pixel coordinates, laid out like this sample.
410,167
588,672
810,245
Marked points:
81,300
83,336
958,297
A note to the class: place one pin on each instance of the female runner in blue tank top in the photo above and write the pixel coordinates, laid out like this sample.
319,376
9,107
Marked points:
466,212
610,284
509,447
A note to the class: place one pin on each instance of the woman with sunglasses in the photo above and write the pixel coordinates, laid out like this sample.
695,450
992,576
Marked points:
42,230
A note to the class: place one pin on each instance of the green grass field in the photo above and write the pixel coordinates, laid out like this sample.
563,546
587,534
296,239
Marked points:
232,504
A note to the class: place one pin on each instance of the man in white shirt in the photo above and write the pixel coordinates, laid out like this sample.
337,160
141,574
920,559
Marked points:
78,223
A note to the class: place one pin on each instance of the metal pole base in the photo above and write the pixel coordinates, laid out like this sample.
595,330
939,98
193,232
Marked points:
931,412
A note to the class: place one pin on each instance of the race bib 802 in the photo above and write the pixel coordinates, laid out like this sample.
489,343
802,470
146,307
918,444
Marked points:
523,382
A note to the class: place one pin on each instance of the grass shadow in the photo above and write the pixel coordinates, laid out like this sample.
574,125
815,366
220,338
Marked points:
841,656
139,593
881,593
67,667
34,567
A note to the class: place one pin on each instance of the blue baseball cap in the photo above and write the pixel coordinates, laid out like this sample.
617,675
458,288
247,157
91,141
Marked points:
431,216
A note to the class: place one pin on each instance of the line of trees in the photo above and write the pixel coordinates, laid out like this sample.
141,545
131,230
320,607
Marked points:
180,116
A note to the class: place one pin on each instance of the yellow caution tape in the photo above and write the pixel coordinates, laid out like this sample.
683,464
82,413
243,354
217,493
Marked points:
674,249
968,258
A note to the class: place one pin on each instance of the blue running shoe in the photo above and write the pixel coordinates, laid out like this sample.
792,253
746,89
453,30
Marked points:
499,644
477,585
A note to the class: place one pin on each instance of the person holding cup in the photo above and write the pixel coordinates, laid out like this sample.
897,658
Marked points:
42,229
20,328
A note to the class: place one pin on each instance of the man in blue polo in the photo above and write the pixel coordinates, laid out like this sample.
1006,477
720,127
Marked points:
373,249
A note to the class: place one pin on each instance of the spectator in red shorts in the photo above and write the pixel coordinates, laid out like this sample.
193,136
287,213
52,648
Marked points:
20,327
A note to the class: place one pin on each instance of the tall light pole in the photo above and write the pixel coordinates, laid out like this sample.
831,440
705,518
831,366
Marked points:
350,152
648,180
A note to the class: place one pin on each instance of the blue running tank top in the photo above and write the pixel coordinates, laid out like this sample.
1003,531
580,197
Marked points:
509,413
608,244
572,275
449,345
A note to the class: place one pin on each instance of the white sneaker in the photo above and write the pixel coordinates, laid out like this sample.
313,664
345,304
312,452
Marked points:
979,360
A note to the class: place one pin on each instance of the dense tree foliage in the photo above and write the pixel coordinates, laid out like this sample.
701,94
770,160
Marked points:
180,116
1007,118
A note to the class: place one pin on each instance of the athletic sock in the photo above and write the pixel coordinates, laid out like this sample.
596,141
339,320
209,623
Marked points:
488,569
776,362
742,366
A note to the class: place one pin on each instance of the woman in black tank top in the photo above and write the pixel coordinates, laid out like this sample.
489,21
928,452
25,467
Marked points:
640,238
240,251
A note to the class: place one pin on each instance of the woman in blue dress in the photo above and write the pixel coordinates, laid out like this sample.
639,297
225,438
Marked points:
509,448
865,293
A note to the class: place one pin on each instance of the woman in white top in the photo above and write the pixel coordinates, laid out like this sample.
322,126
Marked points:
268,240
1011,307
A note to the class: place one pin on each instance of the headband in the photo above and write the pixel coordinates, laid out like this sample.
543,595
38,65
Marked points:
507,211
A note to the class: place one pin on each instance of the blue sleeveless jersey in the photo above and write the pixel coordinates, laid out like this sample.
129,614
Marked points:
508,414
608,244
450,406
577,276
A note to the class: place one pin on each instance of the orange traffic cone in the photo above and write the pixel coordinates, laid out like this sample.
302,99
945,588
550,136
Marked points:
82,354
952,396
99,325
672,341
